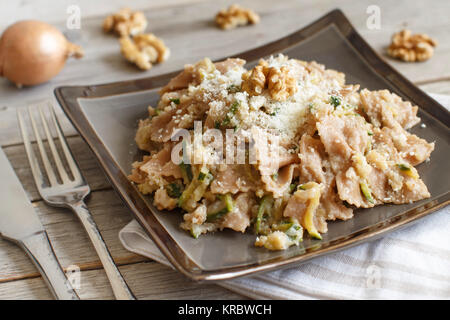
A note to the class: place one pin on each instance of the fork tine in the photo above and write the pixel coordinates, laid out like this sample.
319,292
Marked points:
70,160
47,165
35,169
59,165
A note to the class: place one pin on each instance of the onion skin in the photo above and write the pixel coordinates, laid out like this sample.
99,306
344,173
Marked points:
33,52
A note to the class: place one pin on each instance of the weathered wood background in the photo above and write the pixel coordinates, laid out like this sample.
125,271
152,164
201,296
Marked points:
188,29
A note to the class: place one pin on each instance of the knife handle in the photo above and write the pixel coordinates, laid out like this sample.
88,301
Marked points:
39,249
119,286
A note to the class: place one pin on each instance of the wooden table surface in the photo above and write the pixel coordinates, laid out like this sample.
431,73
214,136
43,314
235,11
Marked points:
187,28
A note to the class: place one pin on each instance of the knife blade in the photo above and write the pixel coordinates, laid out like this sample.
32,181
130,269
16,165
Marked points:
18,219
19,223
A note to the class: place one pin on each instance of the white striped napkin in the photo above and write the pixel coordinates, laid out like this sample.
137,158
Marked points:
412,263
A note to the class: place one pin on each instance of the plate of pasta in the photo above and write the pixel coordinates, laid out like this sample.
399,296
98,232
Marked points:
301,147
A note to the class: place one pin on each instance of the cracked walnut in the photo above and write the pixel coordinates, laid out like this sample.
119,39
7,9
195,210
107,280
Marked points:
279,83
143,50
236,16
411,47
125,22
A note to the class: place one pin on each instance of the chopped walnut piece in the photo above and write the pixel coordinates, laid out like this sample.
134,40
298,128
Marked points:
410,48
236,16
280,84
144,50
125,22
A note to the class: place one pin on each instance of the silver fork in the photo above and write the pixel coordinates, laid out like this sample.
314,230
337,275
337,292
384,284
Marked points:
70,193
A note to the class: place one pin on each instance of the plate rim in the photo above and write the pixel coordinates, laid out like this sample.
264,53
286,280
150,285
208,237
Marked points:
67,98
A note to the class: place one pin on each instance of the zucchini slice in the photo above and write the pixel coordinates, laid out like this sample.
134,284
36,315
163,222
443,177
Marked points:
227,200
195,231
295,232
313,203
265,207
195,190
366,191
174,190
282,226
408,170
292,188
186,172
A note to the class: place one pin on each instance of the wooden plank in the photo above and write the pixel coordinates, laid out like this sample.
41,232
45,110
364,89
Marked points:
190,32
9,127
441,87
147,280
55,11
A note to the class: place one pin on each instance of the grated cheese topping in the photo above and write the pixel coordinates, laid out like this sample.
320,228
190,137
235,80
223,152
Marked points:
282,118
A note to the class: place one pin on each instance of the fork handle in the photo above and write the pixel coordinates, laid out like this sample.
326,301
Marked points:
118,284
39,249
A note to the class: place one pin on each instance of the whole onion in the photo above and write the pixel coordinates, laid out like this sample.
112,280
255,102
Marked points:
33,52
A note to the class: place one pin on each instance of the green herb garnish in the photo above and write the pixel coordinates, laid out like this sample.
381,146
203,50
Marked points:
335,101
230,114
234,107
226,121
176,101
275,112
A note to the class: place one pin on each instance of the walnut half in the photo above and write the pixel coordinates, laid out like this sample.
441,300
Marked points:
236,16
125,22
254,81
411,47
280,84
144,50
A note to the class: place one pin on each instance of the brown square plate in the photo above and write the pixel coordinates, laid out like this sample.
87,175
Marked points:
106,117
